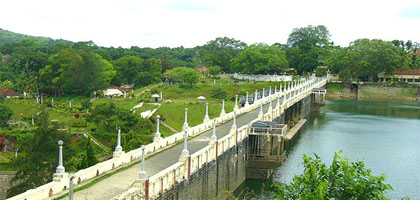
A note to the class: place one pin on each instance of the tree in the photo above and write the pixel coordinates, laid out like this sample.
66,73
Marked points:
127,68
88,155
259,59
38,158
107,116
5,112
215,70
79,71
184,75
307,47
151,72
342,180
219,52
86,104
365,58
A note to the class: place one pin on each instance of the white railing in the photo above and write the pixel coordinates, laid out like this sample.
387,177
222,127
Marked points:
176,172
162,181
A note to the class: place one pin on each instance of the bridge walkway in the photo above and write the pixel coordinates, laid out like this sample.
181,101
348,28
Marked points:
120,182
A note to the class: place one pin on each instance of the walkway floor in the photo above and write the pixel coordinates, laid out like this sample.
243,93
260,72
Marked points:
120,182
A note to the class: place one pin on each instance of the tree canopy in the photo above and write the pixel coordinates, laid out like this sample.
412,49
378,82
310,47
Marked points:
184,75
78,71
365,58
38,158
260,59
341,180
308,46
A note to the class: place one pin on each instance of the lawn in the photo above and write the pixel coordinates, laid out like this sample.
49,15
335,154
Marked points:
121,103
23,108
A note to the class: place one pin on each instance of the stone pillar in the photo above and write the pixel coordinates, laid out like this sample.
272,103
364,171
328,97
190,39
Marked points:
142,182
214,136
261,113
236,103
157,134
269,91
256,96
270,107
206,117
60,168
118,148
143,173
222,113
234,126
185,126
263,94
185,153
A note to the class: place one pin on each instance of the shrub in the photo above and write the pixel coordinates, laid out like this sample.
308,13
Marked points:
218,93
79,123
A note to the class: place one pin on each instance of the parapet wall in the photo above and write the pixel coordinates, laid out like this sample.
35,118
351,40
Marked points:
212,179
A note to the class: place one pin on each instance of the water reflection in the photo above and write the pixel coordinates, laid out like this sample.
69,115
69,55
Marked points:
386,135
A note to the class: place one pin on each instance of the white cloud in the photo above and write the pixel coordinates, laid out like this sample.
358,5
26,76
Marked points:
151,23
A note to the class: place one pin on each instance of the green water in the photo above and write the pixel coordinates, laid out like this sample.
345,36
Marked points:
386,135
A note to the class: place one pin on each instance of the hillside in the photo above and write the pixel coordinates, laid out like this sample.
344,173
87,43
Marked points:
11,37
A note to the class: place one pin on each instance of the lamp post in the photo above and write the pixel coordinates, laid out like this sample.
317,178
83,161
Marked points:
157,134
71,177
234,121
236,103
214,136
118,148
60,168
185,153
223,108
185,126
143,173
206,117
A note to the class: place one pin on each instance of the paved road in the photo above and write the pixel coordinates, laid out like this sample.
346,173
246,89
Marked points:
120,182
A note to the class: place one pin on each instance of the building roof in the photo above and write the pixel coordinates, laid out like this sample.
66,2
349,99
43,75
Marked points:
407,72
8,92
122,89
202,69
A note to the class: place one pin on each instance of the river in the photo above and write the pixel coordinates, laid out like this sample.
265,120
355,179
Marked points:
384,134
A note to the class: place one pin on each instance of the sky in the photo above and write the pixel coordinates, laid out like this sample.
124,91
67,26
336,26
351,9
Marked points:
189,23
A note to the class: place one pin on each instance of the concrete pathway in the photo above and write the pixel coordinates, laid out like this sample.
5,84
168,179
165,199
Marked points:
120,182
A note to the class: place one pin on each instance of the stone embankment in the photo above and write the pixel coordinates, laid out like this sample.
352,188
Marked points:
372,92
5,178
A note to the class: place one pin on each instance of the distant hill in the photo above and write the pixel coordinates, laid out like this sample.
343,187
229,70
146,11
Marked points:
11,37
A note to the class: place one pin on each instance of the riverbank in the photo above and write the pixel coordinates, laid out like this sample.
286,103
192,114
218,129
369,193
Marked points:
371,91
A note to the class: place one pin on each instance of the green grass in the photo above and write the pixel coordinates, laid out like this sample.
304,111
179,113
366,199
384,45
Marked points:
23,108
145,107
121,103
